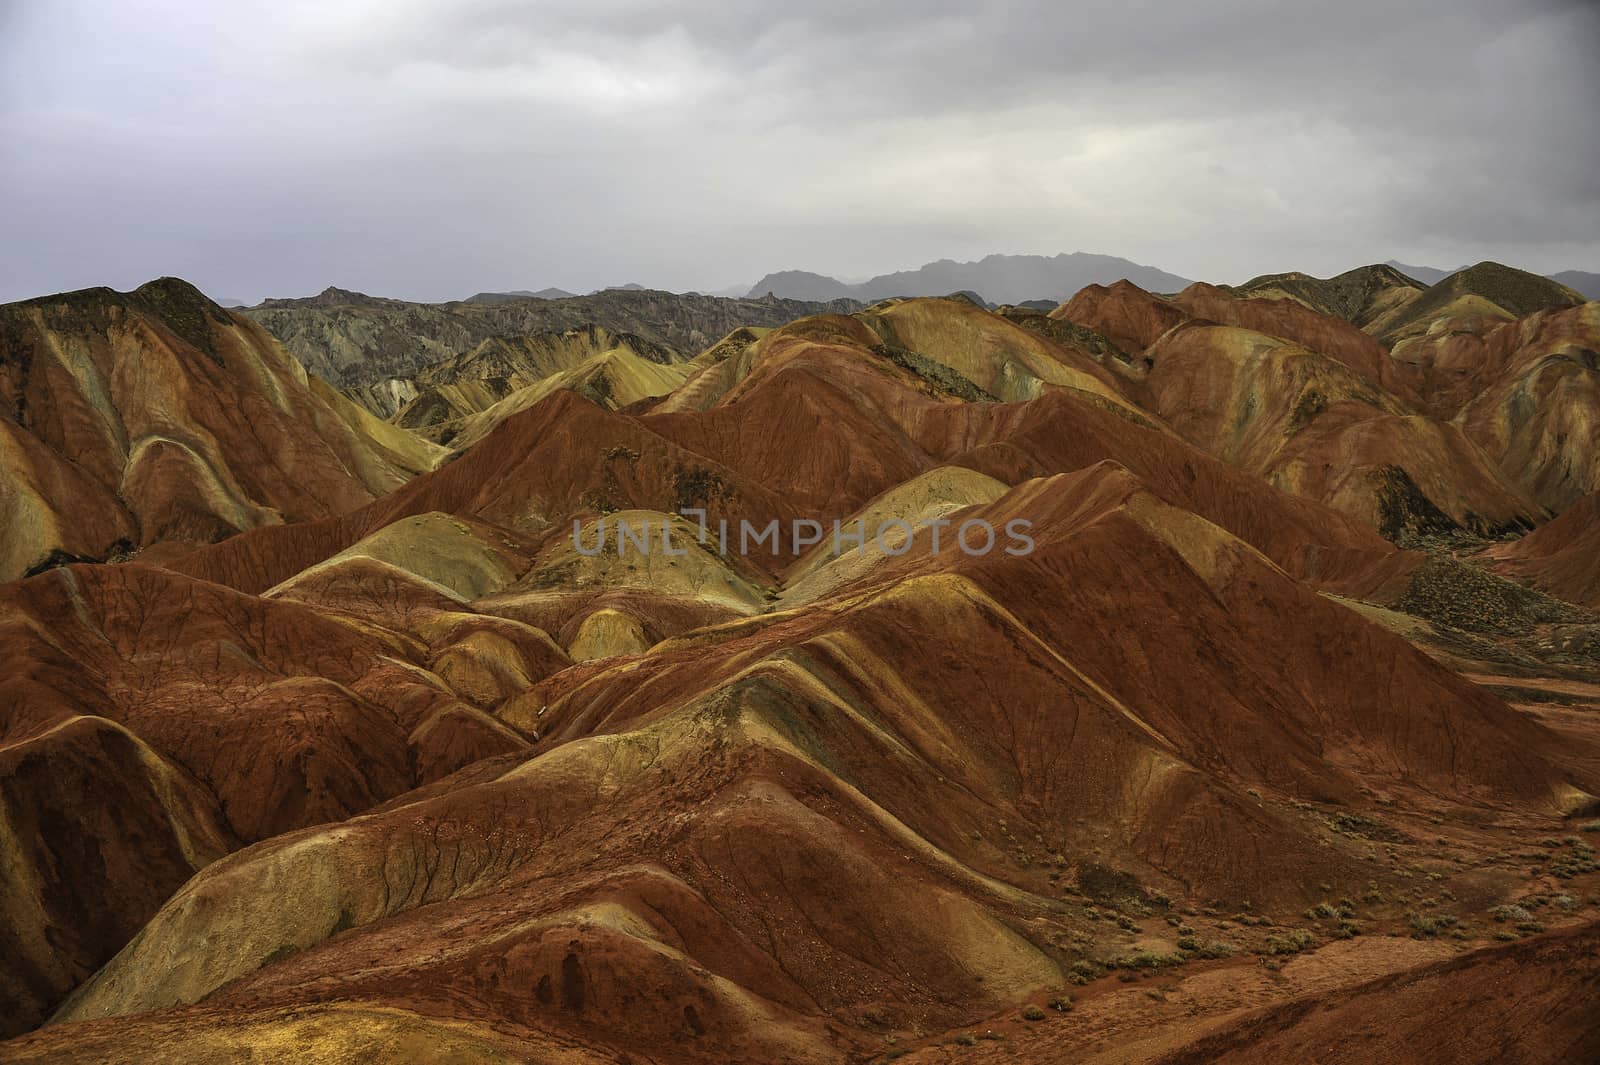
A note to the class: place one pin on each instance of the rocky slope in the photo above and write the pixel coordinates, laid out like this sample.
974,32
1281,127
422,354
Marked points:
611,368
1522,1002
355,341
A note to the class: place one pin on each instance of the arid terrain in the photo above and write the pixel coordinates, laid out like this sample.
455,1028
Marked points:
325,736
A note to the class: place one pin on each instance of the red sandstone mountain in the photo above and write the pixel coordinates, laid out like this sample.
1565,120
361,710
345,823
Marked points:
395,770
1483,421
128,419
1125,313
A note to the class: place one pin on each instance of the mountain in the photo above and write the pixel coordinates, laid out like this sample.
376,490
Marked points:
520,294
804,285
1587,284
1174,708
358,342
1487,288
1277,388
998,278
1579,281
1358,296
139,418
1327,332
332,296
1428,275
1537,404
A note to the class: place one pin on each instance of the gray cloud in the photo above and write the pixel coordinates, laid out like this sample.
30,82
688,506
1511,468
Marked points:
430,150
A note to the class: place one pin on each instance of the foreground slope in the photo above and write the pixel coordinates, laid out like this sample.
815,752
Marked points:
220,718
652,877
1530,1002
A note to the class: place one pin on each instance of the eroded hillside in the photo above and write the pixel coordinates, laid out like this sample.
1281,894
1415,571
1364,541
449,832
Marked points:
1261,734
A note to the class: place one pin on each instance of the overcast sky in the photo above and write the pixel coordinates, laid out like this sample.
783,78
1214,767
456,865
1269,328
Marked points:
431,150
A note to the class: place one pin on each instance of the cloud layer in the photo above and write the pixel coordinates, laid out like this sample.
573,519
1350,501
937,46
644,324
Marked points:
431,150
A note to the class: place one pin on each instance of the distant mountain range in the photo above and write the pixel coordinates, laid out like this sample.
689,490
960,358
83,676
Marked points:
545,294
520,294
1578,280
996,278
1428,275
